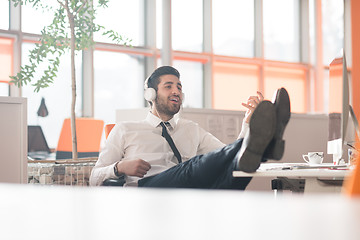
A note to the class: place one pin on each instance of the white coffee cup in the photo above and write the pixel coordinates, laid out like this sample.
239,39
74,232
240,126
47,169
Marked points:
313,157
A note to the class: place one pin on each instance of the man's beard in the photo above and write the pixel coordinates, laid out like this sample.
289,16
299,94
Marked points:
164,108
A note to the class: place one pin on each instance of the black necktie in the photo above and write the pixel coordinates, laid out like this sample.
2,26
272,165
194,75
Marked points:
168,138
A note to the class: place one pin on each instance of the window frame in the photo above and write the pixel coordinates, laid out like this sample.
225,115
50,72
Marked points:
316,102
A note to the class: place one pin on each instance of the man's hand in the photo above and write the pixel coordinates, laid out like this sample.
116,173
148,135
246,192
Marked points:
136,168
251,104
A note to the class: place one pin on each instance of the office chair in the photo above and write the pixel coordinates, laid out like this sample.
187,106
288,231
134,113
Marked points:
108,128
88,131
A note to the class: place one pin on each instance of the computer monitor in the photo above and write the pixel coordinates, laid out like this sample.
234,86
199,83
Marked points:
338,134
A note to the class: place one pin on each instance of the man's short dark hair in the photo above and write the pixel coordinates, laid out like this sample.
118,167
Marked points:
153,80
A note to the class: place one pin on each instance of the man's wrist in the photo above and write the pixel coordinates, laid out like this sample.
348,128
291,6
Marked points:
116,172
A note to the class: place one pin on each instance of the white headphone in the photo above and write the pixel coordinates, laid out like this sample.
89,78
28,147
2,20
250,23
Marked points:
149,93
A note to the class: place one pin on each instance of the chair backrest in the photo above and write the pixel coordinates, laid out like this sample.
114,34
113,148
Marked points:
88,132
36,140
108,128
352,183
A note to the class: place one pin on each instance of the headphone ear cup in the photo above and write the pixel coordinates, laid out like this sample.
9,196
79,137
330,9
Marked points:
150,94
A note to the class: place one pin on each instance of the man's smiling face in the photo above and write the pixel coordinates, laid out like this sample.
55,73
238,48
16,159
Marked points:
169,95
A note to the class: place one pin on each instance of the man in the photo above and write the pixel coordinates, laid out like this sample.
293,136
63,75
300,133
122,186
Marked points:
161,151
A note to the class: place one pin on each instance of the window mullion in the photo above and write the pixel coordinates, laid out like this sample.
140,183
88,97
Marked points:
15,25
150,36
305,48
207,49
88,83
259,41
319,88
166,53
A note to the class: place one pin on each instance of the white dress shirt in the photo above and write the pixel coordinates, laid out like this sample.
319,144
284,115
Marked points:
142,140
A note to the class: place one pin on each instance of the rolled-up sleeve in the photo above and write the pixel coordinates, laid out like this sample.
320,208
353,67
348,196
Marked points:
112,153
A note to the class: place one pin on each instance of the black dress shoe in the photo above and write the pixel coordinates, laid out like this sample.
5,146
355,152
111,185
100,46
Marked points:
276,148
261,131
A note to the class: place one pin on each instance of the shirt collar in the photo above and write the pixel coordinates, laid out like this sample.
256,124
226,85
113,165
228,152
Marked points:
155,121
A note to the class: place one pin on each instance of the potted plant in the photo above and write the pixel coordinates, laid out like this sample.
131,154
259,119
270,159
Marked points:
72,29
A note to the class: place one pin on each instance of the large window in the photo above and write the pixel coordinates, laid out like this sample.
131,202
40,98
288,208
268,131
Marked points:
4,89
119,83
159,23
125,17
333,29
4,14
225,51
233,28
292,79
281,30
34,20
233,83
191,77
333,41
57,97
312,31
187,22
6,58
6,64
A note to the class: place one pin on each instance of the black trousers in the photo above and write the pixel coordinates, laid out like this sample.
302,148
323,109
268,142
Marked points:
208,171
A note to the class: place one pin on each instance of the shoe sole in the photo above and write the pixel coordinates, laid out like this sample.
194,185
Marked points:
276,148
262,128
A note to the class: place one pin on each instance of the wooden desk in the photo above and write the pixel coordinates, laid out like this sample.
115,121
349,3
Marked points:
63,212
312,177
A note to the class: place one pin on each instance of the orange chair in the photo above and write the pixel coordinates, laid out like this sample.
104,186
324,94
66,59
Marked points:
352,183
88,133
108,128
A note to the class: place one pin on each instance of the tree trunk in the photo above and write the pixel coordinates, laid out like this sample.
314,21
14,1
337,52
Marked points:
73,86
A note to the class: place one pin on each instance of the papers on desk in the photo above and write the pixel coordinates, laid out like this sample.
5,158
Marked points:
324,165
291,166
296,170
